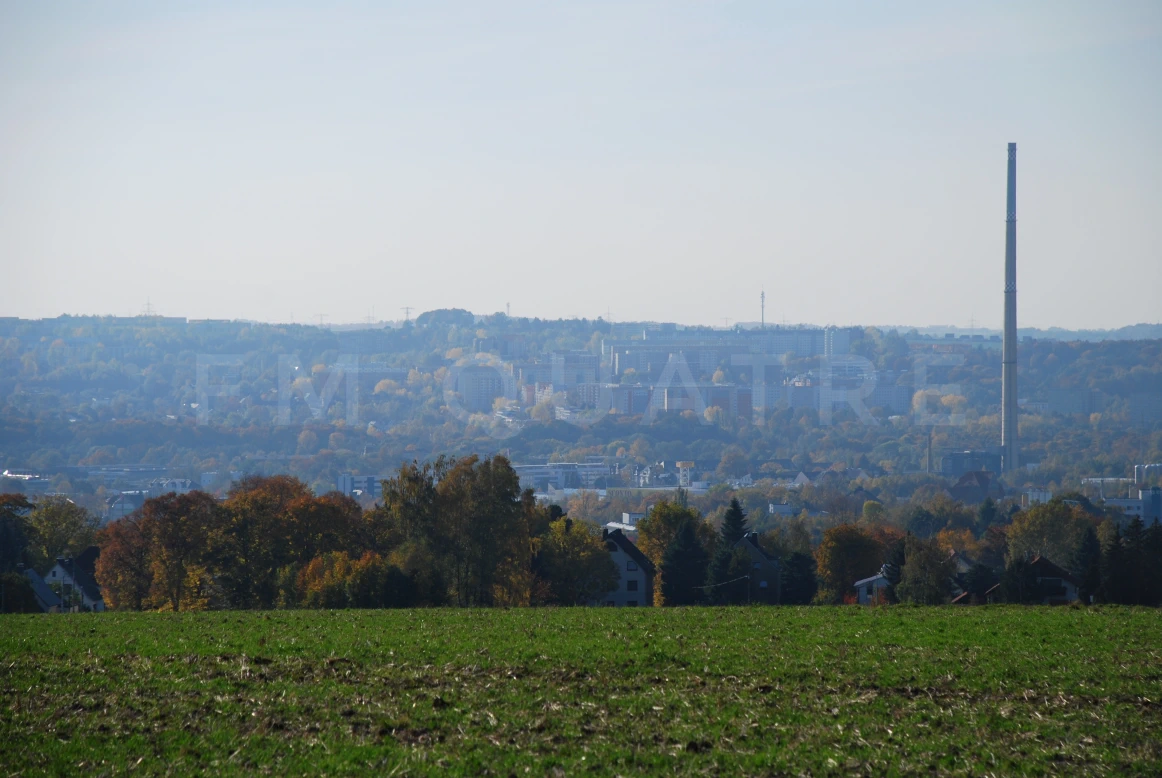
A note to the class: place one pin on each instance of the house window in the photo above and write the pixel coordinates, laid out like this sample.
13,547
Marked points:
756,565
631,604
762,584
631,585
54,573
869,590
631,565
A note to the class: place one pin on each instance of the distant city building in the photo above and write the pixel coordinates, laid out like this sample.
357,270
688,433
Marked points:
1145,409
1075,401
734,400
1031,497
975,487
480,385
208,480
506,346
360,485
630,400
125,503
958,463
1147,506
160,486
574,367
561,475
894,398
703,349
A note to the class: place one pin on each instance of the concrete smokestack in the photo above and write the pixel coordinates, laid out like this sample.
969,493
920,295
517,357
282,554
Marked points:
1009,452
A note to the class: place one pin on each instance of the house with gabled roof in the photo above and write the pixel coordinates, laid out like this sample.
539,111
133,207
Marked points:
1056,585
46,598
974,487
872,590
635,586
77,579
764,575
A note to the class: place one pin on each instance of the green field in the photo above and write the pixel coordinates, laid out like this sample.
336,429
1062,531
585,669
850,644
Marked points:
725,691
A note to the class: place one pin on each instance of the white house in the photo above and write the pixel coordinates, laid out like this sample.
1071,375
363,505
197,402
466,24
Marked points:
75,576
46,598
871,590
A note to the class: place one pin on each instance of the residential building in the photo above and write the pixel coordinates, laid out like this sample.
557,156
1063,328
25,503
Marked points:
160,486
735,401
561,475
46,598
359,485
973,488
574,367
764,575
1145,409
77,579
630,400
1031,497
480,385
1147,506
872,590
212,478
1075,401
893,398
635,586
125,503
1058,586
958,463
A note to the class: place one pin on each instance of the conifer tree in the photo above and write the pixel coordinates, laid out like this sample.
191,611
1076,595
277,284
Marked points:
1153,546
797,575
925,578
734,527
1136,563
1113,571
1087,566
896,557
683,568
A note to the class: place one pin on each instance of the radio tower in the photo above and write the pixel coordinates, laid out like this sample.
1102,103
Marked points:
763,309
1009,453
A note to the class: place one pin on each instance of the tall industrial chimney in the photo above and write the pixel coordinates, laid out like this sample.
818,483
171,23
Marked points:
1009,353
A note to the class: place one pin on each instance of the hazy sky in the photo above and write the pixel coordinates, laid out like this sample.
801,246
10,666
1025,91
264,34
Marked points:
657,160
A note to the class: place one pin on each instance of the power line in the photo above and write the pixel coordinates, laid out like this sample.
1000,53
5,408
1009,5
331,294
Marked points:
723,583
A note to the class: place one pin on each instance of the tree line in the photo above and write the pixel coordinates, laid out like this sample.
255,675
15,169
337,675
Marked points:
461,532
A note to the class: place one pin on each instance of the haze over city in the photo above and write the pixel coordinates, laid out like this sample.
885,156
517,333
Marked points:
644,161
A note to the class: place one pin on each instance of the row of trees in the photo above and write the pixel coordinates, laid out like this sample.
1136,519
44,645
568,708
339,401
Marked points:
1109,564
448,533
698,563
461,532
34,535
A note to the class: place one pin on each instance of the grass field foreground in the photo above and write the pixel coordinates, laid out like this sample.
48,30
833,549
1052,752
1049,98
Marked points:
845,691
